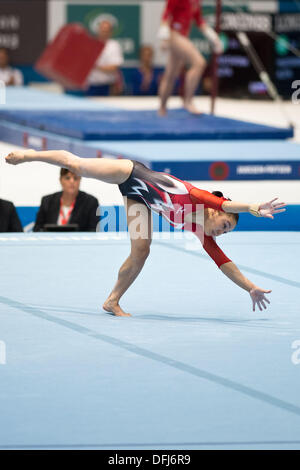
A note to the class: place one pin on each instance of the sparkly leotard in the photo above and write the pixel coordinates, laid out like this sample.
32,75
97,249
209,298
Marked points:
176,201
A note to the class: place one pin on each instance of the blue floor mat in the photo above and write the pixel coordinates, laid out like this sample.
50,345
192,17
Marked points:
193,368
142,125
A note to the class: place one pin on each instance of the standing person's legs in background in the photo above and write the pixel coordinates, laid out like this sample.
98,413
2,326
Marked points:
182,51
167,83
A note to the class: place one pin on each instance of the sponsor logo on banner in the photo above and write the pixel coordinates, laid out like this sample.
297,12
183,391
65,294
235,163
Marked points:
287,23
219,171
125,19
264,169
246,22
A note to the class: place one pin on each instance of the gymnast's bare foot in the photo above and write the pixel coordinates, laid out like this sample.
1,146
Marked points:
113,307
191,108
162,112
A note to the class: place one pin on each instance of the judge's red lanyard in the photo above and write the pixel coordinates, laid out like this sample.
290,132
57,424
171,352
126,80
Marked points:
64,219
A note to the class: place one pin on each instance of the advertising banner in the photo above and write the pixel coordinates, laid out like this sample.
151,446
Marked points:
23,29
287,64
238,76
125,18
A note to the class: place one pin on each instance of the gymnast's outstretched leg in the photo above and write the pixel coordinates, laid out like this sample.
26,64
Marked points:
105,169
139,217
139,220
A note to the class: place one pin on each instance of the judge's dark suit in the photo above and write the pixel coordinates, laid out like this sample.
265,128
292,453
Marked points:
84,212
9,220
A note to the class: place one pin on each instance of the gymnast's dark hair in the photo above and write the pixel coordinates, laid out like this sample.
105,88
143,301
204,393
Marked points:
64,172
219,194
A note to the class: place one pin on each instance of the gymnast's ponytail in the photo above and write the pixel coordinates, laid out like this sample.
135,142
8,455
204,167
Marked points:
220,194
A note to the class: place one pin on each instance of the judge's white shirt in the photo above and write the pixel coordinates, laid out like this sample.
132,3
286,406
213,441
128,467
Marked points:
111,55
8,72
64,214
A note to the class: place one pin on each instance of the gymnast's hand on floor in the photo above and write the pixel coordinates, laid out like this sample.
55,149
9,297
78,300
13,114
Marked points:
19,156
258,297
268,209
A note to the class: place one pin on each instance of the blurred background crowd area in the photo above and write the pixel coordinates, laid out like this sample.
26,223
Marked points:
272,26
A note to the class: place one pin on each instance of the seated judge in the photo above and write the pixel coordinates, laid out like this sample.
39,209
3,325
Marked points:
9,220
69,206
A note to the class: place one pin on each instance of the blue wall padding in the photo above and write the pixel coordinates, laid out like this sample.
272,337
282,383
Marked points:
142,125
113,219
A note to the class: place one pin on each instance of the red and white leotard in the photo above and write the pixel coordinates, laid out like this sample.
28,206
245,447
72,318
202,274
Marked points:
175,200
180,14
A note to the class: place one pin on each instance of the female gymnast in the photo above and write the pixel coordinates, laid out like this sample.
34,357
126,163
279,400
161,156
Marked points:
181,203
173,34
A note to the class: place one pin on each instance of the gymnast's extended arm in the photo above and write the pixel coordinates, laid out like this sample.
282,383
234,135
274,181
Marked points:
230,270
267,209
257,294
